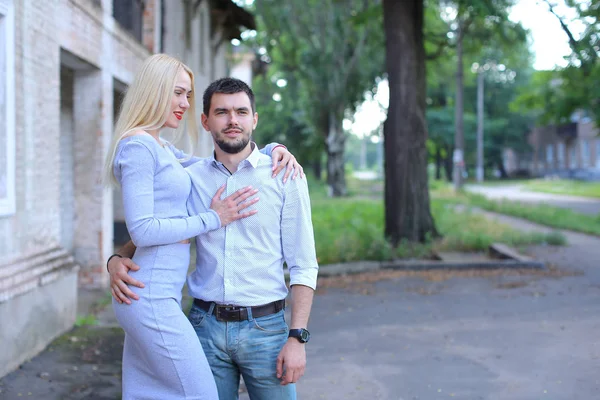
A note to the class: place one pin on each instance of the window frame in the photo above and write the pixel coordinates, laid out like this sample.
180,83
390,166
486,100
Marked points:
7,24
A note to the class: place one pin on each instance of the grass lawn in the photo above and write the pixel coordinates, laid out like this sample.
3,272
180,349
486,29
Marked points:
351,228
543,214
564,186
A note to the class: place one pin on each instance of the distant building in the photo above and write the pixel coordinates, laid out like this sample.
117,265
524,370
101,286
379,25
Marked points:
64,65
575,145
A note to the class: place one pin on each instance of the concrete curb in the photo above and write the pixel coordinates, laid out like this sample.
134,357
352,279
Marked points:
424,265
504,257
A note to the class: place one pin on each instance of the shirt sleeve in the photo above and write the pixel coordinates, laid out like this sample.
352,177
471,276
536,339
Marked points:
137,167
297,236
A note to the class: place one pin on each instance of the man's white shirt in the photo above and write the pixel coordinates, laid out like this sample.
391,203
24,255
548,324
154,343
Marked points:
242,263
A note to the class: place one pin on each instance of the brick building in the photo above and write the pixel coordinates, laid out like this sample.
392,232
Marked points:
567,147
63,67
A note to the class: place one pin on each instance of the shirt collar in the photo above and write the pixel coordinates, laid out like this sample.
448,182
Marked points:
252,159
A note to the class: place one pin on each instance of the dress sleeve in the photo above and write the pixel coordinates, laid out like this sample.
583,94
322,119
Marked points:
137,166
180,155
268,149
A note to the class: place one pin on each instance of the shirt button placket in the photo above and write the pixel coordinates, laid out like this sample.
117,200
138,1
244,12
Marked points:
228,246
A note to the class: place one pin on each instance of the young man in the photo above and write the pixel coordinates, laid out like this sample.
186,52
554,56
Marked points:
238,283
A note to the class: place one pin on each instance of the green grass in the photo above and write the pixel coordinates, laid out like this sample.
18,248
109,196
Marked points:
86,320
564,186
351,228
543,214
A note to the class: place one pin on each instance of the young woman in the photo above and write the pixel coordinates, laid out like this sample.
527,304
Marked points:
162,357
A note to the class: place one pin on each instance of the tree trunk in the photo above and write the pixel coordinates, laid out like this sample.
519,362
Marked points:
459,135
336,178
438,163
317,168
448,165
407,208
503,174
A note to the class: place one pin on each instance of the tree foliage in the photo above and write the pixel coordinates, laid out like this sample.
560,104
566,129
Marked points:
556,95
332,51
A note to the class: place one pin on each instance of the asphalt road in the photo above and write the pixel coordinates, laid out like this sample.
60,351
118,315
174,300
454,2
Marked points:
492,336
497,337
582,205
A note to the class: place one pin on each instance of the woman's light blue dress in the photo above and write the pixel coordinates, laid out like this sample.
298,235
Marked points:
162,357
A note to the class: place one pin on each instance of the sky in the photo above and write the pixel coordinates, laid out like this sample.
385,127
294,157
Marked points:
550,42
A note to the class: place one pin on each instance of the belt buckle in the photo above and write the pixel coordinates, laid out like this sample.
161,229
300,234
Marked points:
224,310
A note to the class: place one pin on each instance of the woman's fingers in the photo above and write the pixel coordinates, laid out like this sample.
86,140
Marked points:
242,198
244,215
219,193
246,204
241,194
280,164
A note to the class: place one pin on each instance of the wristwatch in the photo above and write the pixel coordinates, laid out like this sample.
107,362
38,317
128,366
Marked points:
302,335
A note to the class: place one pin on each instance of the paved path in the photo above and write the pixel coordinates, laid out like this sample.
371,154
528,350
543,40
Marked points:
440,336
584,205
395,335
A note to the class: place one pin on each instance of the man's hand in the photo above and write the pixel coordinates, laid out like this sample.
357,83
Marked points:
229,208
292,361
118,269
282,158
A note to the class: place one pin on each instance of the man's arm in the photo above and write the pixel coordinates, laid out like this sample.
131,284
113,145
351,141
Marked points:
293,353
118,268
298,247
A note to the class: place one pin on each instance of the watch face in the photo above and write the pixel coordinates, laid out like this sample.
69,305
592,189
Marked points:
304,335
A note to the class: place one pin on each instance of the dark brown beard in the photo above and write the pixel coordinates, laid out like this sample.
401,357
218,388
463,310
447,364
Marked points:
233,148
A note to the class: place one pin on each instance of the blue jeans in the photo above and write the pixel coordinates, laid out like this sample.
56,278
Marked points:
249,348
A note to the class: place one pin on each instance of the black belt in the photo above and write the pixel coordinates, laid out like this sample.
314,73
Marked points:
229,313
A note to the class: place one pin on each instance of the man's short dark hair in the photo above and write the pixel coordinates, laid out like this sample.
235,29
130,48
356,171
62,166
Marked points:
226,86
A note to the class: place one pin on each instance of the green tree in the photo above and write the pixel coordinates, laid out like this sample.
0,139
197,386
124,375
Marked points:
556,95
282,119
408,213
407,205
489,40
332,50
475,24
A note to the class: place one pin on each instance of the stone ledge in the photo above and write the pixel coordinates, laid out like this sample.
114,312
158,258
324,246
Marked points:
502,251
41,269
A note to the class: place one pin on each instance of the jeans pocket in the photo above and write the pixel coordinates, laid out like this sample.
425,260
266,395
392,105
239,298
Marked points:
196,316
274,323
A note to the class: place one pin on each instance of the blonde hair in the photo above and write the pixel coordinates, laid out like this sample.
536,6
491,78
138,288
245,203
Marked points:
146,105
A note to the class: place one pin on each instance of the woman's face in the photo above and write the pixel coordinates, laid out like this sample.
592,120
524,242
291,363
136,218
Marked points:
179,102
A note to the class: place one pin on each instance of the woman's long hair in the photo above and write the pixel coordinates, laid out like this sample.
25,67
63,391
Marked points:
147,102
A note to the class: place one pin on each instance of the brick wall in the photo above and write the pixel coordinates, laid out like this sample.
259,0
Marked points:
82,36
62,228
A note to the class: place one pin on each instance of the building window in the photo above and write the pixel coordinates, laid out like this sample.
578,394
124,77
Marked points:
549,154
561,155
597,153
7,108
130,15
585,153
573,156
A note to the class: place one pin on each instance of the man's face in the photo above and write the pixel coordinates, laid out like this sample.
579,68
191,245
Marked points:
230,121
